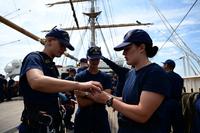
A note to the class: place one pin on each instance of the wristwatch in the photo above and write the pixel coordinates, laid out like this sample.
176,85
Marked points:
109,102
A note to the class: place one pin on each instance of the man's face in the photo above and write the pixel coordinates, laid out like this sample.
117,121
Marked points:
132,54
72,73
94,62
57,49
165,67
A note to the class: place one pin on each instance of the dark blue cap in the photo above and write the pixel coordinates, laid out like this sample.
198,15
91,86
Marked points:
134,36
83,60
62,36
170,63
94,53
71,69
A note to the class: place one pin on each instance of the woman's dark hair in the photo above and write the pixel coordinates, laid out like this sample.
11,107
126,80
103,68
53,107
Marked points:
150,51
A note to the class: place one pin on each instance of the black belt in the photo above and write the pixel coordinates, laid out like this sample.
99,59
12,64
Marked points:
35,115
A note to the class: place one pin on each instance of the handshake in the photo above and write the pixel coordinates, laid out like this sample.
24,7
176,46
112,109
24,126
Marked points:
94,91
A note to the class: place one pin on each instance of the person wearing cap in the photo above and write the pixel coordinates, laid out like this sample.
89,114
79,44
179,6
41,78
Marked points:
83,65
70,102
92,117
39,85
121,74
142,108
175,108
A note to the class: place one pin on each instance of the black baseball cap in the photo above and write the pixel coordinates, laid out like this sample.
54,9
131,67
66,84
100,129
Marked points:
94,53
72,70
83,60
134,36
170,63
62,36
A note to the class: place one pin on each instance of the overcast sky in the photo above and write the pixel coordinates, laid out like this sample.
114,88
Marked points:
35,16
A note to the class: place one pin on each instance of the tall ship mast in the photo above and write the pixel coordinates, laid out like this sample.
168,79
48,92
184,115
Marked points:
93,15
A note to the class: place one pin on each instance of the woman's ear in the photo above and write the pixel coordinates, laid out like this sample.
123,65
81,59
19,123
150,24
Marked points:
141,48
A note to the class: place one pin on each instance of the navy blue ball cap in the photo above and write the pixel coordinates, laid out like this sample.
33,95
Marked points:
134,36
83,60
170,63
94,53
62,36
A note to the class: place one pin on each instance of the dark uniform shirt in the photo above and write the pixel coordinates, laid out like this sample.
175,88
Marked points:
121,73
177,85
93,118
47,101
3,83
11,83
174,104
149,78
101,77
81,69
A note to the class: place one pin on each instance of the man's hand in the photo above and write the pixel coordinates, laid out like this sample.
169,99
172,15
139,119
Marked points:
91,86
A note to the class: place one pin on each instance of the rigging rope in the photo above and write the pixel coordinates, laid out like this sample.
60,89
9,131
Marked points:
161,17
11,12
183,47
109,23
104,41
74,13
8,43
180,22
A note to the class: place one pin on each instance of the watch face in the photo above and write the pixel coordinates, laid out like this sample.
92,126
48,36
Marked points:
109,102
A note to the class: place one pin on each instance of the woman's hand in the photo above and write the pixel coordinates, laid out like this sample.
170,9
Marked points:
91,86
100,97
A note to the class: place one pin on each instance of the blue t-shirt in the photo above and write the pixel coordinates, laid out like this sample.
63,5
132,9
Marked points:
81,69
149,78
45,101
101,77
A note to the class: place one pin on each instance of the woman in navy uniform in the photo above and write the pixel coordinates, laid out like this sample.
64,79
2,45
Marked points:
92,117
39,85
143,104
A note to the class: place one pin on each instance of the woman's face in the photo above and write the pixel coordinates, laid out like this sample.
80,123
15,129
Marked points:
132,54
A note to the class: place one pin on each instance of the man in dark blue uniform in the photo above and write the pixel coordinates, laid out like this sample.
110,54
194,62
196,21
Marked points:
175,95
83,65
92,117
39,85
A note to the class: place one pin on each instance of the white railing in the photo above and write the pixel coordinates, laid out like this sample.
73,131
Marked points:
192,84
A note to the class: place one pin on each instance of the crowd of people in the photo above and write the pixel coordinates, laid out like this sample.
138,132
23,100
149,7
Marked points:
146,96
8,89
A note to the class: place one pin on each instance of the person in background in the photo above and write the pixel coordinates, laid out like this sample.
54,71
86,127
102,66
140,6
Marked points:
70,102
146,90
92,117
175,108
3,84
10,89
121,73
83,65
114,83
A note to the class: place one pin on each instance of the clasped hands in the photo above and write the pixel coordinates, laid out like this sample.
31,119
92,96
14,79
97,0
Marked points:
95,92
